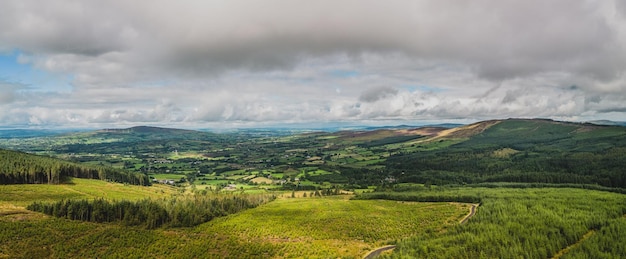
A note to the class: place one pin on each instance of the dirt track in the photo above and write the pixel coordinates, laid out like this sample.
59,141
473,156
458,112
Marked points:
376,252
471,214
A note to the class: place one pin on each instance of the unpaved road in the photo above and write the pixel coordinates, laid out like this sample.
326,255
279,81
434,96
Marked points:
376,252
471,213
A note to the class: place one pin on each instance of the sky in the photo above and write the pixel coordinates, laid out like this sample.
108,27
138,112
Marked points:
253,63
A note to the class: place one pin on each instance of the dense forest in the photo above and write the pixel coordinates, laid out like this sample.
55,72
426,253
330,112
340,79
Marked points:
523,151
174,212
519,223
22,168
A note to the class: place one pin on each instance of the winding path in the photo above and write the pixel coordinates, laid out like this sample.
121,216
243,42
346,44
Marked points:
376,252
471,213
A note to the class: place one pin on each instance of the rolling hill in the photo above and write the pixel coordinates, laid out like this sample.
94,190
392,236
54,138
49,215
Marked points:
514,219
149,130
519,150
510,150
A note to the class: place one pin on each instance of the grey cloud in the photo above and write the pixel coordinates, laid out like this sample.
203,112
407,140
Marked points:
604,103
616,109
8,92
490,91
377,93
85,27
503,39
511,96
269,60
134,116
593,99
620,6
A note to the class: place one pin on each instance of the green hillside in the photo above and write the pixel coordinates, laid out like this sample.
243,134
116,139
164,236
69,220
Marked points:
509,223
513,150
517,150
313,227
331,194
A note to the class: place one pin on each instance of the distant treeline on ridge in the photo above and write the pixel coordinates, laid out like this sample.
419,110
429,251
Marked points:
22,168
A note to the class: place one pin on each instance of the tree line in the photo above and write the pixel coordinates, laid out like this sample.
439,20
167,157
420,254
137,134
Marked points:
22,168
173,212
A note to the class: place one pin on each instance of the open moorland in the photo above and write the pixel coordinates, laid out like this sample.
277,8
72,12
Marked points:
544,189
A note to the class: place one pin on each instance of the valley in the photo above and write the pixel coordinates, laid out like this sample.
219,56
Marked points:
542,187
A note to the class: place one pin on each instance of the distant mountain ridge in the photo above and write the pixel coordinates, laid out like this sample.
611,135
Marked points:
435,131
505,150
517,150
31,133
147,129
608,123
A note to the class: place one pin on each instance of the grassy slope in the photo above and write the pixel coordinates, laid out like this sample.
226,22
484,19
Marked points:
303,227
525,134
520,132
510,223
334,227
23,194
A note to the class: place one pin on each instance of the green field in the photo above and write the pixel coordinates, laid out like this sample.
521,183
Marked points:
174,177
22,195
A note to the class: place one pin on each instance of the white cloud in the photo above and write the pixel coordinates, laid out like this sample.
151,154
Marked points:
283,60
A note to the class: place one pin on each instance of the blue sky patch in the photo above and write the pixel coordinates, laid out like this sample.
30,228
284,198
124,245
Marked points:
423,88
14,72
344,73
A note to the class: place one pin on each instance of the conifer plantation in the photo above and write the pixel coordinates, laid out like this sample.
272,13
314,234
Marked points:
22,168
175,212
521,222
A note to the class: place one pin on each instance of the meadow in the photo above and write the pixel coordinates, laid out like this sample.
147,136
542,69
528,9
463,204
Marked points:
24,194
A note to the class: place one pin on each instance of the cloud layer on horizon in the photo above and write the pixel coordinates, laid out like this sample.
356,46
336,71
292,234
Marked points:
195,62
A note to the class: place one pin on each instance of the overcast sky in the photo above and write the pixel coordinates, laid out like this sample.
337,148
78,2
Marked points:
257,63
